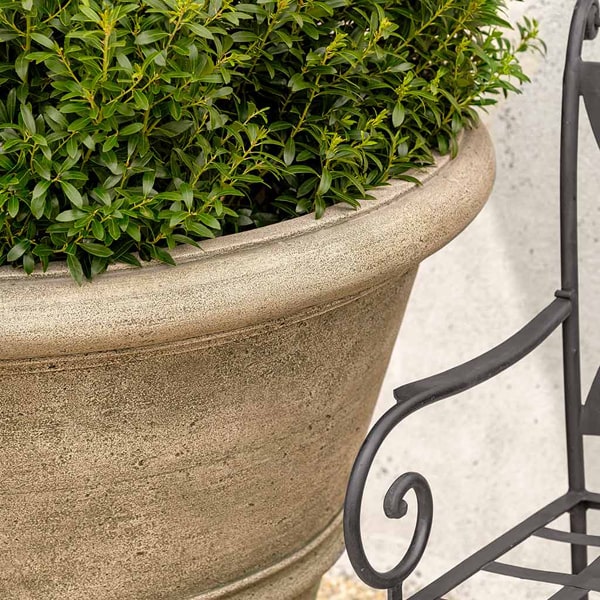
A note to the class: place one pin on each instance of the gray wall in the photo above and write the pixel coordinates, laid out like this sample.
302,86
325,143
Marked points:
496,454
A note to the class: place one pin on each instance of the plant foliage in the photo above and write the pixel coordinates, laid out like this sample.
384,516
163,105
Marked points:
129,127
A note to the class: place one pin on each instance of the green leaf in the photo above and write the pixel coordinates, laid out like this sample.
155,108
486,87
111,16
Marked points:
98,231
22,66
289,151
297,83
13,206
28,119
95,249
162,255
325,182
70,215
184,239
175,128
91,15
134,231
148,182
398,114
150,37
200,30
18,250
241,37
131,129
42,169
141,100
443,145
319,207
99,265
103,195
75,268
128,259
209,221
110,143
28,263
72,147
43,40
199,229
72,193
38,198
187,194
7,36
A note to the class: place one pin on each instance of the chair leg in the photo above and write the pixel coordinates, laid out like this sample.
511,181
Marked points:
579,559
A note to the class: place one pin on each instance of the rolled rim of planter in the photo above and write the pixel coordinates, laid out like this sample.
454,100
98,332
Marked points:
248,279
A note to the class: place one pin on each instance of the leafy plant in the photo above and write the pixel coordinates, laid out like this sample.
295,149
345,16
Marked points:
129,127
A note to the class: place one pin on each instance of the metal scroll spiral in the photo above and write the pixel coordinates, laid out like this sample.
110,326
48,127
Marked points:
394,505
593,21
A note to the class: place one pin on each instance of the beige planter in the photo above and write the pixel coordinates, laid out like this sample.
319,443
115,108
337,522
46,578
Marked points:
171,433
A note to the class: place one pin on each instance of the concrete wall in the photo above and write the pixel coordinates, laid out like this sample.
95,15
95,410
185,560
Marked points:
496,454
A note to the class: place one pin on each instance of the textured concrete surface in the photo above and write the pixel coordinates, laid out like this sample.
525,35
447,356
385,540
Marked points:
177,433
166,472
496,454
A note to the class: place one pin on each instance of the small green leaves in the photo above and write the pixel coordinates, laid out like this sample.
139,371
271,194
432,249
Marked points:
127,128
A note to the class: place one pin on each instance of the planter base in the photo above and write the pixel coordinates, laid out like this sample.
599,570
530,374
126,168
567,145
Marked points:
311,595
297,577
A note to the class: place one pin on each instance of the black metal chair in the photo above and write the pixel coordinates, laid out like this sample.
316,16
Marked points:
581,78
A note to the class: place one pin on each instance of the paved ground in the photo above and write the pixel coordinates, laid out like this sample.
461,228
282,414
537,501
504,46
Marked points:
339,586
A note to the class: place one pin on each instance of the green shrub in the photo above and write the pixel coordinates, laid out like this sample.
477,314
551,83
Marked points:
127,128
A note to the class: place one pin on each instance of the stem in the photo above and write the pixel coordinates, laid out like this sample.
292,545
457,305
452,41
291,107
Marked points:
302,119
107,27
28,33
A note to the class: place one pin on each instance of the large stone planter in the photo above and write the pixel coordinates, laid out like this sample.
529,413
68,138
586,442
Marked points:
171,433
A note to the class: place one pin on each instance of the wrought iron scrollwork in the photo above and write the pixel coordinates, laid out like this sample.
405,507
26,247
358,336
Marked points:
411,398
395,507
593,21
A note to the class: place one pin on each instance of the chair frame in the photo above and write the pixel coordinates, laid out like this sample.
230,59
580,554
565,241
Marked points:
581,79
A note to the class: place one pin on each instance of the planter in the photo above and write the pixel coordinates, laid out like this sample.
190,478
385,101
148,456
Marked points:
185,432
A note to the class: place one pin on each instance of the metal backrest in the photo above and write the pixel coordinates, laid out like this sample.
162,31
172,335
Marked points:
581,78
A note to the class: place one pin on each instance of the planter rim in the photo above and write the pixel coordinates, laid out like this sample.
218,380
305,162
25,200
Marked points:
248,279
